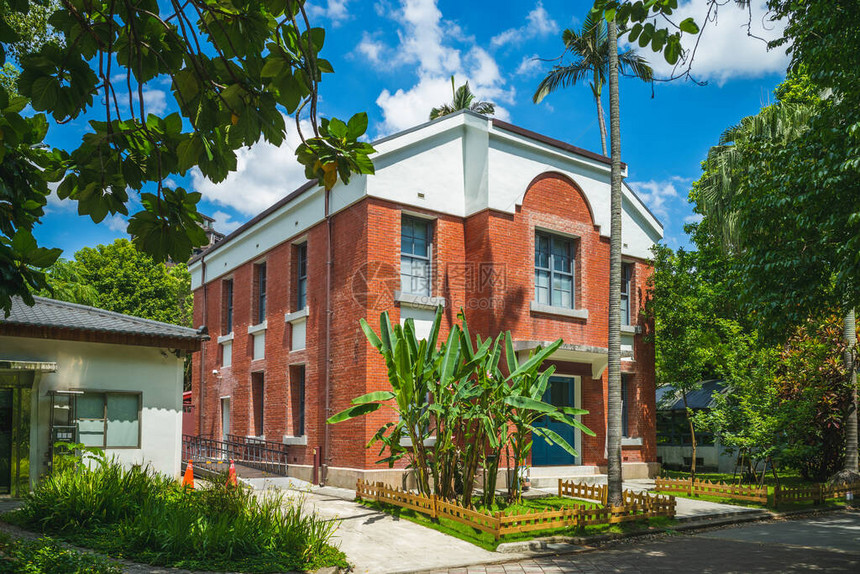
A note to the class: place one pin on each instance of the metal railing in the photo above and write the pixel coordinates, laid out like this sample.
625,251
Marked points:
256,453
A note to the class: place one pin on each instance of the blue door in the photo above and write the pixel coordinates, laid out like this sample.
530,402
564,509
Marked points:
560,392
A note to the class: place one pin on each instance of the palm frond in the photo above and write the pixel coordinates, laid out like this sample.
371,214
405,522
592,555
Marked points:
560,77
633,64
722,181
464,99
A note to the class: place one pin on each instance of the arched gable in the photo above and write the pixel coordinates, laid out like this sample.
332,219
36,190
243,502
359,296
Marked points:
557,192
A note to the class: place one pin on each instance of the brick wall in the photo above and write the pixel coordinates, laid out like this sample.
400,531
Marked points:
483,264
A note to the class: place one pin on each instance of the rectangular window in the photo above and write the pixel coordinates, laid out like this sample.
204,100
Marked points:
554,265
626,276
416,237
257,398
297,379
301,276
109,420
625,429
228,306
261,293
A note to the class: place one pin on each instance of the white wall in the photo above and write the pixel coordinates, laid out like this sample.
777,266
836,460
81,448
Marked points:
156,373
458,165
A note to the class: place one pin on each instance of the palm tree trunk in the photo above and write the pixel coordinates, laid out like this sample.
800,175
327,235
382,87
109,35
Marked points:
596,91
850,337
602,123
613,430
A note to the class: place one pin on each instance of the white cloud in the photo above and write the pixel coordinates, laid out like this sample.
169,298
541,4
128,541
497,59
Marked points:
422,38
264,174
116,222
726,50
693,218
426,44
224,222
334,10
155,101
530,66
538,23
659,195
370,48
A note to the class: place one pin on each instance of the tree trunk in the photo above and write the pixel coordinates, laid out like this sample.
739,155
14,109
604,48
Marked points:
613,431
692,439
850,335
596,91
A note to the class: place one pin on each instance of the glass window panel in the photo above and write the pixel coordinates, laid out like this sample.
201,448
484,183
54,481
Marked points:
565,299
91,433
625,310
91,406
419,231
123,423
543,296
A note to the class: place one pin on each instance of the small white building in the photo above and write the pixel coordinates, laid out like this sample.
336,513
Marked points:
79,374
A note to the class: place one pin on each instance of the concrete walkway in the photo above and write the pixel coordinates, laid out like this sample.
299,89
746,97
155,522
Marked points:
377,543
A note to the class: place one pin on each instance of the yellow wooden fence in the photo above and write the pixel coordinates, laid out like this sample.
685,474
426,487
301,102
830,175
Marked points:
639,506
816,493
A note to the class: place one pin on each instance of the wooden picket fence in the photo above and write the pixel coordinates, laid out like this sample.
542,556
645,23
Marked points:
719,489
816,493
598,492
636,507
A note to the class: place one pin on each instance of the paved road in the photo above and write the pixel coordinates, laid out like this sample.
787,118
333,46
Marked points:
826,544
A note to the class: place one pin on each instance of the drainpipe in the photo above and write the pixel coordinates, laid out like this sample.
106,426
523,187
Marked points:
329,263
202,348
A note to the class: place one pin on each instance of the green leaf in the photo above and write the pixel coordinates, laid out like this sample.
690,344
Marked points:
555,438
353,412
530,404
371,336
689,26
374,396
357,126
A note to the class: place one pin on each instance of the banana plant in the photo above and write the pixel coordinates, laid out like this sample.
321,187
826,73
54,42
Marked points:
412,364
527,384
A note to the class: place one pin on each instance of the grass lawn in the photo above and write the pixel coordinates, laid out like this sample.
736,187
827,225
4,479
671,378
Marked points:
486,541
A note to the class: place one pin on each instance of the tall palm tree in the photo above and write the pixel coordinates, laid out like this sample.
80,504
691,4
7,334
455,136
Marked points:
464,99
613,427
722,182
590,50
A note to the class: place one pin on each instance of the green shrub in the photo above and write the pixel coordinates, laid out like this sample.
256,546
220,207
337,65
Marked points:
47,556
146,517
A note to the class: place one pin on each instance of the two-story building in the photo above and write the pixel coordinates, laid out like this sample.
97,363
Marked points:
465,211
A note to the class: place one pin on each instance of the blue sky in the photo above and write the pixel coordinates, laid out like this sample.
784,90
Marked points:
394,58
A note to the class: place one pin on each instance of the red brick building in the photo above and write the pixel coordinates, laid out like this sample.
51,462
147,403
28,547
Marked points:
464,212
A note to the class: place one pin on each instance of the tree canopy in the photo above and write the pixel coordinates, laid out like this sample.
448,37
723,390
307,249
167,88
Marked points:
118,277
237,69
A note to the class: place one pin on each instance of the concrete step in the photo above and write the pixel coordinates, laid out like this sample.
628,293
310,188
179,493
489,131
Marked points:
547,476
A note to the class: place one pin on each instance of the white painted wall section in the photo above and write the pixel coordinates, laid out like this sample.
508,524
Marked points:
156,373
457,165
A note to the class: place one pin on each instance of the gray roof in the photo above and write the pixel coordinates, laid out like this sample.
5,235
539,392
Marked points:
701,398
49,313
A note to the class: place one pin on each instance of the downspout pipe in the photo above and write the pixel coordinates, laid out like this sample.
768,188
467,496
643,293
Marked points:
202,349
329,263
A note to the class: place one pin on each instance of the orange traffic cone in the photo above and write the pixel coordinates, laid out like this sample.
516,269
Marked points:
231,475
188,479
